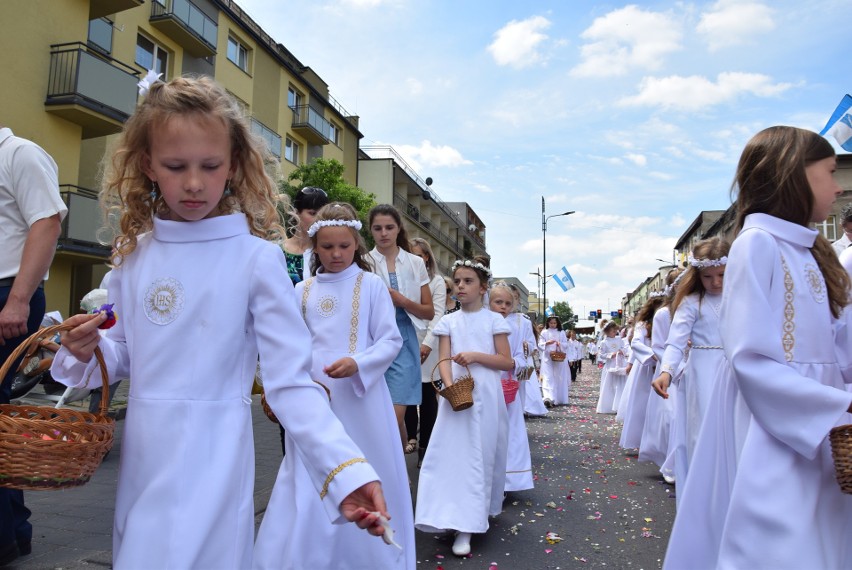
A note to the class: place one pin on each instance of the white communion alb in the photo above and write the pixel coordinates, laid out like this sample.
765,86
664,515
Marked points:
786,509
349,314
464,470
197,302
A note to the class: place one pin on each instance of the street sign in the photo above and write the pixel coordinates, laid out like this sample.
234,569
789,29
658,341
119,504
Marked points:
593,314
613,313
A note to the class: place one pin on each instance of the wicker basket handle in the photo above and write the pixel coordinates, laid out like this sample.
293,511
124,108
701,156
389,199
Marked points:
48,332
434,368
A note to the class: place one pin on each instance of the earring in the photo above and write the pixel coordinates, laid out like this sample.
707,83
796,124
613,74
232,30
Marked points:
154,191
227,191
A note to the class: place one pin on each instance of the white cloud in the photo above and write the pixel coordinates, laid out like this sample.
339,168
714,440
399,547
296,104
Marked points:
696,92
637,159
714,155
731,23
483,188
415,87
665,176
517,43
626,39
429,155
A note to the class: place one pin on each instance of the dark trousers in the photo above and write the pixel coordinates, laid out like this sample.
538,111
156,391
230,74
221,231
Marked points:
428,415
14,525
574,367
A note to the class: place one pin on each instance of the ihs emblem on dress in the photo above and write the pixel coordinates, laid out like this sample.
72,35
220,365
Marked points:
164,300
327,305
815,282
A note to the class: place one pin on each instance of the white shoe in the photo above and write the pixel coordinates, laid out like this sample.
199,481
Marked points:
461,547
669,479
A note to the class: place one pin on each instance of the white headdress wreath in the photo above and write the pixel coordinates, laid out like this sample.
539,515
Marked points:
469,263
315,227
702,263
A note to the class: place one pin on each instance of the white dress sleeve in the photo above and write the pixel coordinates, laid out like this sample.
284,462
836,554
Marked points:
679,334
642,352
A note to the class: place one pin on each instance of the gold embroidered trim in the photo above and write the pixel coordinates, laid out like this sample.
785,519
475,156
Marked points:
305,292
524,471
788,340
337,470
356,305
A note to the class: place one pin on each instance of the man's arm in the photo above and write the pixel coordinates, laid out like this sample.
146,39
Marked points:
35,261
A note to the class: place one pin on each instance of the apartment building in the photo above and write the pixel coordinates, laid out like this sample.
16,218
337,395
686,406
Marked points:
453,229
70,84
722,223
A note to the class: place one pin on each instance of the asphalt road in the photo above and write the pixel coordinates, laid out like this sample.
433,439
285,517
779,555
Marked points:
608,509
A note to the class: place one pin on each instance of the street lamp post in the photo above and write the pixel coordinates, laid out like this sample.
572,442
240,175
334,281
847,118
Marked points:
544,251
539,279
537,286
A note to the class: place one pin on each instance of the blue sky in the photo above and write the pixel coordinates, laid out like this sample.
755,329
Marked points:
633,115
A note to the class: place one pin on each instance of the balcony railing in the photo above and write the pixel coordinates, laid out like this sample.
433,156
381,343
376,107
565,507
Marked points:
91,89
82,228
413,213
310,123
183,21
389,152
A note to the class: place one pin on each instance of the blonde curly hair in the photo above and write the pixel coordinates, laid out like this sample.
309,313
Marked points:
126,195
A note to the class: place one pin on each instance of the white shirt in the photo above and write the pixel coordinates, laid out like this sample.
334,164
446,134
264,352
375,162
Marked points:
841,244
411,275
846,260
29,192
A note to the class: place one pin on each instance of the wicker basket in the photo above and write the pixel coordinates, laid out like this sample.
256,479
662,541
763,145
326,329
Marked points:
271,415
841,450
557,356
459,393
42,447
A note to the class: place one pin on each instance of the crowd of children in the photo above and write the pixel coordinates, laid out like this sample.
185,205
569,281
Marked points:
737,417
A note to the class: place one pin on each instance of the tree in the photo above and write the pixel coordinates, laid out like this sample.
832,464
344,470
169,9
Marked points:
328,175
566,315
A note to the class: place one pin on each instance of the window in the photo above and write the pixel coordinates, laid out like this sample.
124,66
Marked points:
238,53
828,228
151,56
333,133
270,137
291,151
294,98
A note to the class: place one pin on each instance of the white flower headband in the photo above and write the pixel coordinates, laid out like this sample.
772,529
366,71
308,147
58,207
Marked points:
655,294
146,83
315,227
702,263
469,263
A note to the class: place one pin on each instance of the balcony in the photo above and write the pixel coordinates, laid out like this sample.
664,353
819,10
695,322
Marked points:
90,89
309,123
413,214
82,228
101,8
185,23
